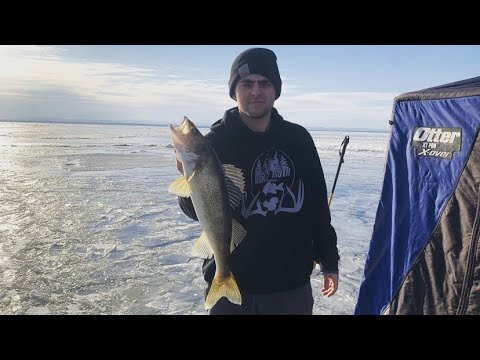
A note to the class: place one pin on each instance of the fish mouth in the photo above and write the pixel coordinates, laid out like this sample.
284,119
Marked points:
174,132
178,139
180,135
185,127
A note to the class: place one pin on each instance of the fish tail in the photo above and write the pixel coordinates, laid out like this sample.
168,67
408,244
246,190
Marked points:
223,287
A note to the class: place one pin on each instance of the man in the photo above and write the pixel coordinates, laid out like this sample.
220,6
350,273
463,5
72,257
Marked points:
284,210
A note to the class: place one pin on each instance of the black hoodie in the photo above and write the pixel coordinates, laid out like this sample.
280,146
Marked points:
285,212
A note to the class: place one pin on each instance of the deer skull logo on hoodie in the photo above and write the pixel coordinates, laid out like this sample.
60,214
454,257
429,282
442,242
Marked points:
273,190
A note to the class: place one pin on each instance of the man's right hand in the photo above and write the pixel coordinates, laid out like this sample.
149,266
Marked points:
179,164
180,167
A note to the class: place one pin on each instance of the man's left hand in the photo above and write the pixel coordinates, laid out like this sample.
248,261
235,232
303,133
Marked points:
330,284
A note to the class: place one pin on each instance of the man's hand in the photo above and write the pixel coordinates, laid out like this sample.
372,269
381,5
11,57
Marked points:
179,164
330,284
180,167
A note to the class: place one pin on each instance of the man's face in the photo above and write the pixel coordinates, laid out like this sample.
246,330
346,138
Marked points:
255,95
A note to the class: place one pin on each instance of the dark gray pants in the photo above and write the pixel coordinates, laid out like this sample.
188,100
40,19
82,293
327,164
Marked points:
297,301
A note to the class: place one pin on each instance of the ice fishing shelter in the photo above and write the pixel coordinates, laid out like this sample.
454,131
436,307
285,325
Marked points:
424,255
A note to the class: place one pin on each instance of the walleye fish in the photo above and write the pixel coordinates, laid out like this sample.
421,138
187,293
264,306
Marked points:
214,189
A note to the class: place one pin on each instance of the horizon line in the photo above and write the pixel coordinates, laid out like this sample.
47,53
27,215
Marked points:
129,123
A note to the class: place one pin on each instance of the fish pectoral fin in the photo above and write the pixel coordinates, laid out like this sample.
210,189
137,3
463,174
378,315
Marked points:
235,184
180,187
223,287
202,248
238,234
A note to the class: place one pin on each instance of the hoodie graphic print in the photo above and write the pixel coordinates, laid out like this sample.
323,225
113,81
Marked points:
274,189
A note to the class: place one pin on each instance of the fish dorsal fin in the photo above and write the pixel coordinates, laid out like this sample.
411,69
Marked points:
202,248
235,184
180,187
238,234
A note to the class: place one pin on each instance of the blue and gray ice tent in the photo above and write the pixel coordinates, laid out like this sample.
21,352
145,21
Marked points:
424,255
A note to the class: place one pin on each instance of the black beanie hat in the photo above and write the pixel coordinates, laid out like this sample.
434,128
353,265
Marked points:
255,61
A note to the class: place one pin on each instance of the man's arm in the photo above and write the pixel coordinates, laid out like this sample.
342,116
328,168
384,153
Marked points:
325,251
187,207
324,245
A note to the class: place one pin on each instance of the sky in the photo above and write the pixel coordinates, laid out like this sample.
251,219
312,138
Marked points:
324,86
